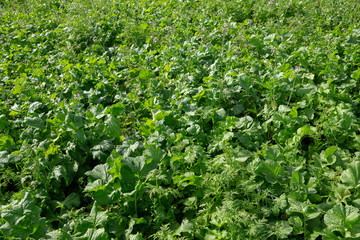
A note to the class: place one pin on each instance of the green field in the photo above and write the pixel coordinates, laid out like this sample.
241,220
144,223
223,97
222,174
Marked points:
186,119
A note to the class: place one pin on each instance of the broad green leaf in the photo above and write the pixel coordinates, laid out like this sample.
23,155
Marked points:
238,109
309,76
79,136
327,234
136,164
296,223
6,142
351,176
22,219
356,74
273,154
95,186
127,148
18,88
97,111
101,196
4,158
330,151
115,170
137,236
74,121
271,170
113,126
154,152
4,122
35,122
100,172
241,155
185,227
55,234
145,74
189,178
309,113
34,106
306,130
97,154
98,218
284,109
95,234
306,208
270,38
103,146
73,200
344,219
220,114
280,204
328,156
60,172
193,129
297,178
133,222
117,109
159,115
124,173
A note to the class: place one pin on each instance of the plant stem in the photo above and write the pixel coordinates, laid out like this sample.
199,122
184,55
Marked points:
304,226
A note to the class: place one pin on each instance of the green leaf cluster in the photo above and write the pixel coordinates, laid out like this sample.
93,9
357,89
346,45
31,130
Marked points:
179,119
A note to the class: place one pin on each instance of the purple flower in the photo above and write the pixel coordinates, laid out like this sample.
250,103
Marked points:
249,21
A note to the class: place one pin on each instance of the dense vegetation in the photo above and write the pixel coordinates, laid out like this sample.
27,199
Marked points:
179,119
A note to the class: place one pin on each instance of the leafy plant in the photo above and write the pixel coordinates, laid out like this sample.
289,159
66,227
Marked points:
179,119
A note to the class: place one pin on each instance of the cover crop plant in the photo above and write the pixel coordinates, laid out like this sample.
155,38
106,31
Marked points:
190,119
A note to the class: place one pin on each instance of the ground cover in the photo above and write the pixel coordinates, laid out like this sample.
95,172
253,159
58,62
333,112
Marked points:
179,119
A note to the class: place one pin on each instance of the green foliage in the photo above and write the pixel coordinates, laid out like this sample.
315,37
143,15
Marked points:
179,119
